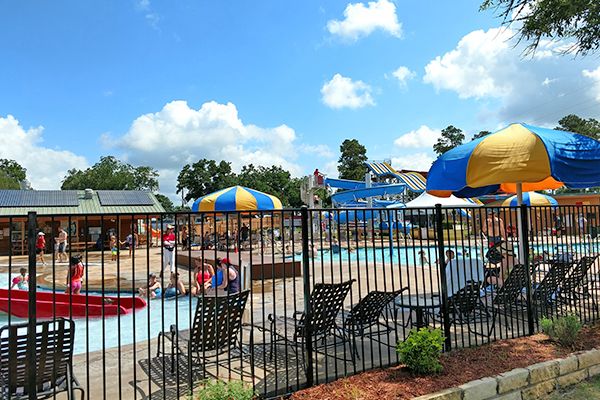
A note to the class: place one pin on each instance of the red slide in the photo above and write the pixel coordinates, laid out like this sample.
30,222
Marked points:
51,304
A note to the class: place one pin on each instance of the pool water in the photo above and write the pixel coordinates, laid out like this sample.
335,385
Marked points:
105,333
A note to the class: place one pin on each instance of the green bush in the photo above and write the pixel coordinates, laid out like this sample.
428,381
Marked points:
563,330
421,351
217,390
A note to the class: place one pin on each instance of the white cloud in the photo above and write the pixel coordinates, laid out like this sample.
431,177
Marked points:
341,92
594,75
423,136
403,75
46,167
413,161
360,20
320,150
179,134
490,65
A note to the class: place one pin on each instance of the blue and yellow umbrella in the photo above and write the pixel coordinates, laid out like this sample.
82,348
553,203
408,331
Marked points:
531,199
237,198
518,155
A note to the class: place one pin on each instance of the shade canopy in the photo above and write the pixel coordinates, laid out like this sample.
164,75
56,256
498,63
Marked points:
537,158
237,198
428,200
531,199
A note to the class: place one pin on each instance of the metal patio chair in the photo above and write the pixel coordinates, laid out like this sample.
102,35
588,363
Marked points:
326,301
53,349
365,316
215,331
576,285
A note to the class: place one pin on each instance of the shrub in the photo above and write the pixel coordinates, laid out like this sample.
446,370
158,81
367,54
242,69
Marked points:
421,351
217,390
563,330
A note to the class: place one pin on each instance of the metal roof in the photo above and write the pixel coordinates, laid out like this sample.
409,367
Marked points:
85,206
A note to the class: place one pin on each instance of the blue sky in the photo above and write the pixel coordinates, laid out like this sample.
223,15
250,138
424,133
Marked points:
164,83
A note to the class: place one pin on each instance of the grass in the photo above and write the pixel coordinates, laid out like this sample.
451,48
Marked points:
585,390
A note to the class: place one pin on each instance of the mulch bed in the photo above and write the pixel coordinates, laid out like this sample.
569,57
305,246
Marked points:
460,366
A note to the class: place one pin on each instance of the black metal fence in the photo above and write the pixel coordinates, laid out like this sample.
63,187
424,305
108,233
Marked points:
304,296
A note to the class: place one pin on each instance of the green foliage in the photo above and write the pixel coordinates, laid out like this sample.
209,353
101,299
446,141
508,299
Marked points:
351,164
421,350
13,169
449,139
536,20
165,202
204,177
207,176
111,174
573,123
8,182
217,390
481,134
324,197
563,330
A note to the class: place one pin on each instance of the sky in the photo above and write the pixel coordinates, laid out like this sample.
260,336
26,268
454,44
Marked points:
165,83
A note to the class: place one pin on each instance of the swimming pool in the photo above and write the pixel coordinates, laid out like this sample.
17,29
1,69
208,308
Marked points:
104,333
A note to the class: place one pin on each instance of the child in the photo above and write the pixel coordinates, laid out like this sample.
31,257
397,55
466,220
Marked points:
40,246
21,281
75,276
423,258
175,287
114,248
153,290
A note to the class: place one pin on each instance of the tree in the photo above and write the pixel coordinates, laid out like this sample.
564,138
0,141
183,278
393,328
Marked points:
272,180
165,202
537,20
351,164
111,174
481,134
8,182
573,123
450,138
13,169
204,177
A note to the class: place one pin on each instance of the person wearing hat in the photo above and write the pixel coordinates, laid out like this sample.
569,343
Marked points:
231,278
40,246
168,242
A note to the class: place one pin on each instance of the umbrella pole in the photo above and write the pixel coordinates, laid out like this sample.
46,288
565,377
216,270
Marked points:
520,222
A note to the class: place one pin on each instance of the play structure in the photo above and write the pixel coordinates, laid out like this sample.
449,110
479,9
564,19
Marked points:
51,304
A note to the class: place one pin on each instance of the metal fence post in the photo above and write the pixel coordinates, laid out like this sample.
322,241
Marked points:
442,268
525,237
307,305
31,331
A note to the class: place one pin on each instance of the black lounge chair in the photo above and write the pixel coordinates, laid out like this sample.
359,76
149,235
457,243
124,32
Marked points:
215,331
545,293
326,301
364,319
576,285
54,360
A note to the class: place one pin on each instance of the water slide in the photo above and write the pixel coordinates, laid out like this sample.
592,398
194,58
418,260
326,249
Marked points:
50,304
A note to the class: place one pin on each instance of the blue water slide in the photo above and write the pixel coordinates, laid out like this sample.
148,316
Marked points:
377,191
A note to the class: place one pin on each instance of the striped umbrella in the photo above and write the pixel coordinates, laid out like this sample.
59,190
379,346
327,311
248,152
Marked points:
237,198
531,199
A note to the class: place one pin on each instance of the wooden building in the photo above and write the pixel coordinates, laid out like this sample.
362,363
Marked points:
87,216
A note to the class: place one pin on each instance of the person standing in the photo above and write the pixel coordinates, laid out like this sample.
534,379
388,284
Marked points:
40,247
494,228
168,243
244,232
184,238
582,224
61,245
75,276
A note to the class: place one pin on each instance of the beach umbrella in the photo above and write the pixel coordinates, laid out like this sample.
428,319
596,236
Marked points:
517,158
531,199
237,198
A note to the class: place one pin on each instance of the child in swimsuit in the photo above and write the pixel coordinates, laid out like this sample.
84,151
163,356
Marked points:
21,281
153,290
75,276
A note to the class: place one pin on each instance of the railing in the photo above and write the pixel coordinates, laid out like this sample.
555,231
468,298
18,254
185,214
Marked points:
329,292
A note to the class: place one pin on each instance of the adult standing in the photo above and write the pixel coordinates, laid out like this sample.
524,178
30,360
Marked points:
582,224
61,245
493,228
244,232
40,247
168,243
184,238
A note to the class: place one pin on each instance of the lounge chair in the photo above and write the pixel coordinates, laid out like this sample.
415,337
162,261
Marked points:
326,301
576,285
53,349
215,331
364,319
